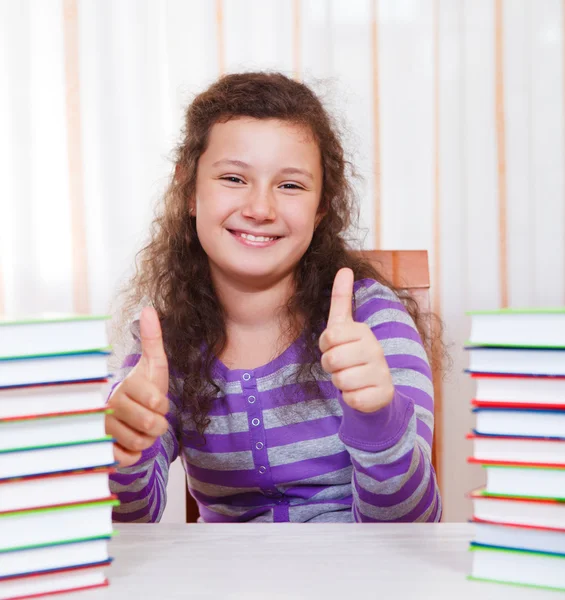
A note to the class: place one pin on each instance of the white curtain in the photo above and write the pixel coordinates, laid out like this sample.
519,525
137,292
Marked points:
91,107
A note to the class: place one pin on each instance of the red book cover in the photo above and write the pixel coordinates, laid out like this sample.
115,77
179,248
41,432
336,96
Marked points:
517,525
57,571
516,405
59,414
503,463
61,474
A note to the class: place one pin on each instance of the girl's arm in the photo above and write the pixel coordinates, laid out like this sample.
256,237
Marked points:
390,447
141,487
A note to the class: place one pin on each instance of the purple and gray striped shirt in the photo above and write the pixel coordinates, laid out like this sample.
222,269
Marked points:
278,451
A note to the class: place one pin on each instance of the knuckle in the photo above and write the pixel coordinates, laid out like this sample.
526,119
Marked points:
331,336
332,360
131,458
137,443
163,405
163,426
338,380
148,422
355,400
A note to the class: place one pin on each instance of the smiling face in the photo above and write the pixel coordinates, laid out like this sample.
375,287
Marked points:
258,190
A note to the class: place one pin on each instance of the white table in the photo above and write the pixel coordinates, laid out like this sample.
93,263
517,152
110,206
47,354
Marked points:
296,561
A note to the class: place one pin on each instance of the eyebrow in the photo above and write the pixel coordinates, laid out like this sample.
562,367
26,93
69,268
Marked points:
234,163
244,165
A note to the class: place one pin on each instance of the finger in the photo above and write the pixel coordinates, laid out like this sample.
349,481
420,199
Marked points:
345,356
152,348
125,458
138,417
342,298
361,400
341,334
142,391
130,440
355,378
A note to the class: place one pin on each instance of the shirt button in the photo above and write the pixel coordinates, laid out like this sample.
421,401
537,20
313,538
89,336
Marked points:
246,377
259,445
255,422
262,470
251,399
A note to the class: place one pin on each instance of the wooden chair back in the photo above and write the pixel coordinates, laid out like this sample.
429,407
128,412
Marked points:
406,270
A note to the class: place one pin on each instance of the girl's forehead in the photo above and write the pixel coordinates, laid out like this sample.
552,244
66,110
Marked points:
248,129
262,143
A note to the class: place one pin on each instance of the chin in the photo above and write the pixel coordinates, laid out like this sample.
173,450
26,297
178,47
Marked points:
252,272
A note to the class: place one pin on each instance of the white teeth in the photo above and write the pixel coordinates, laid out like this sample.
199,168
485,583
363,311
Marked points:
256,238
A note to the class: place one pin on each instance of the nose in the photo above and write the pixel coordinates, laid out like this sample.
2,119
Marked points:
260,206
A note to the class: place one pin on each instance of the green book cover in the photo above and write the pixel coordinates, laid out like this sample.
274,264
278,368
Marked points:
63,542
489,495
50,318
524,585
472,345
516,551
54,509
106,350
555,310
107,438
486,465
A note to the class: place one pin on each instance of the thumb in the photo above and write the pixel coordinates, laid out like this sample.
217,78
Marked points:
152,349
342,298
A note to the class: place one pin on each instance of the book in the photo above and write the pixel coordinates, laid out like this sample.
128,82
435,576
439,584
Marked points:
53,369
52,334
52,399
57,458
39,491
534,569
510,535
527,450
516,361
533,328
20,433
522,422
525,481
512,390
70,579
27,529
532,512
50,558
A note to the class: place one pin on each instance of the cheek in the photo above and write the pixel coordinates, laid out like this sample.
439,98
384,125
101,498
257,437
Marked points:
212,205
302,218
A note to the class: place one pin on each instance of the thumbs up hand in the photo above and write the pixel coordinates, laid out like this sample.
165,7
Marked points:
140,401
352,354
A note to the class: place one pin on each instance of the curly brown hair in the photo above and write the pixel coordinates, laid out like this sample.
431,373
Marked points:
172,270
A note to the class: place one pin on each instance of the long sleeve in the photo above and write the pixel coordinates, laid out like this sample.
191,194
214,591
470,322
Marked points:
393,476
141,488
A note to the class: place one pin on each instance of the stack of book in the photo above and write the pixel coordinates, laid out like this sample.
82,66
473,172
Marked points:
517,359
55,457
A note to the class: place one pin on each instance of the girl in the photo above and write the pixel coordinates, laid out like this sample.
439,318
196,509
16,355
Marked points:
286,373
